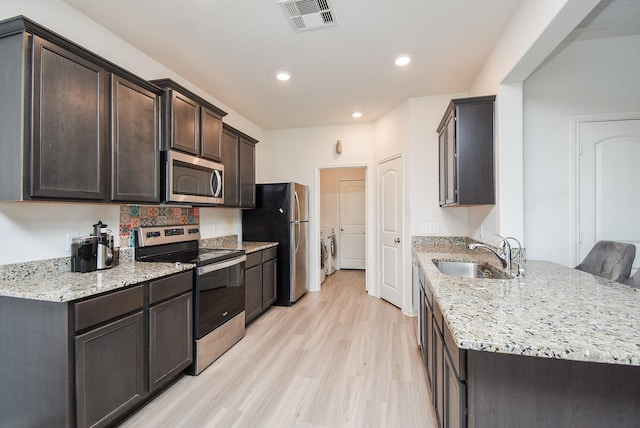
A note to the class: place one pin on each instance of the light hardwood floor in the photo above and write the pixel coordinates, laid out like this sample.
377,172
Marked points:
336,358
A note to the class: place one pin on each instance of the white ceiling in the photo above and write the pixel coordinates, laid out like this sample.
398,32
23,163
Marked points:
232,49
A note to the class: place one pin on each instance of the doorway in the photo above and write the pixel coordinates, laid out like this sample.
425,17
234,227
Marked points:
608,151
343,214
391,218
352,227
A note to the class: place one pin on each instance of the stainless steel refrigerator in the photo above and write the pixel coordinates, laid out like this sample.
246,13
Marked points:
281,215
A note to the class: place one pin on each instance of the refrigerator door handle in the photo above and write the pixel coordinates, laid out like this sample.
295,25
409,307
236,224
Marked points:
297,214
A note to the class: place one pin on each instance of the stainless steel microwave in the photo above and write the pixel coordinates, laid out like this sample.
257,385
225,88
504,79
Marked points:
190,179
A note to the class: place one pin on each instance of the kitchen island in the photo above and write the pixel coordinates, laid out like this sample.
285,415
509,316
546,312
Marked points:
558,347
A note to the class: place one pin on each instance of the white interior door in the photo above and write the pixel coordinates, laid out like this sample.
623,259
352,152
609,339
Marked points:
609,175
391,216
352,236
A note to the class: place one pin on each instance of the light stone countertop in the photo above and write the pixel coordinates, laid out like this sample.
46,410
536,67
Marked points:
65,286
553,312
51,280
247,246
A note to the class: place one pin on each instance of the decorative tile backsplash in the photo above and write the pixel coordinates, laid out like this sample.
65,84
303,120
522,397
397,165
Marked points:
152,215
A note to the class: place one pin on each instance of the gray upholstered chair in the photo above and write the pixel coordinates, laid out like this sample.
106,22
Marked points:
634,280
609,259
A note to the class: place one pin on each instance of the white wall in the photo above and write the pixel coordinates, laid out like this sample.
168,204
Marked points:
424,117
39,230
587,77
20,222
392,137
299,154
535,30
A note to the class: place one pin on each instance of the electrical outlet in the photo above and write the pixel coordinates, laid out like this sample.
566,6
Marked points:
430,228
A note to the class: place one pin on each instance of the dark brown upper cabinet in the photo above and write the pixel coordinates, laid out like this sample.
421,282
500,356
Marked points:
466,140
211,134
135,142
238,158
70,133
58,127
190,124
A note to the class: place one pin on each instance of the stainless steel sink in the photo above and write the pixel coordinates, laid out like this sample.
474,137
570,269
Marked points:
470,270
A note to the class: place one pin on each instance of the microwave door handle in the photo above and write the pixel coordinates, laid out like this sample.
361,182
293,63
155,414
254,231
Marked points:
216,176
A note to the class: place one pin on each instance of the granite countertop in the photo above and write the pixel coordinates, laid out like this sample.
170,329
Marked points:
56,285
553,312
247,246
51,280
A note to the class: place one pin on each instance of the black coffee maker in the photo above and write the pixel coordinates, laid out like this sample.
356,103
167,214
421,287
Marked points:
93,252
104,253
84,254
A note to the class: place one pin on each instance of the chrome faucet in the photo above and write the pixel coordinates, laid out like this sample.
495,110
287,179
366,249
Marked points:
505,257
520,255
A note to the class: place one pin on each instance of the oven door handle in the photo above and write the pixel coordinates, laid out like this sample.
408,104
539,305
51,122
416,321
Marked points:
203,270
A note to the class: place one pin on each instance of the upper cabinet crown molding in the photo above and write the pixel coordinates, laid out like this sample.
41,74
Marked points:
21,24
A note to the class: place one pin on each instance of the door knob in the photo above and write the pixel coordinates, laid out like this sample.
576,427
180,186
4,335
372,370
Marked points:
397,240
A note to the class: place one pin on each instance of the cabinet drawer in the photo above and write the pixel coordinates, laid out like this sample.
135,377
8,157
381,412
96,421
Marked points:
253,259
170,286
103,308
269,254
458,356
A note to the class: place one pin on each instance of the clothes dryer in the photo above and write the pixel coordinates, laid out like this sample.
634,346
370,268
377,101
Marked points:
324,255
332,248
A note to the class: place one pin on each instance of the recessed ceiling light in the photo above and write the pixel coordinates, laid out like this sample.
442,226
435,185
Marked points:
283,76
403,60
356,115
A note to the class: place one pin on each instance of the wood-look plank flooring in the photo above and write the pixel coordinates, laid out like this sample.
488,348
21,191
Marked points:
336,358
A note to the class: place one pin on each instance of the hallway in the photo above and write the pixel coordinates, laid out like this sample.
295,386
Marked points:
337,358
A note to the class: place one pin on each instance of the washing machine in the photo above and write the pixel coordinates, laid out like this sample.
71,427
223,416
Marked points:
332,249
324,255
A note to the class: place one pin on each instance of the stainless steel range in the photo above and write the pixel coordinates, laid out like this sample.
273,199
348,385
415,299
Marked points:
219,298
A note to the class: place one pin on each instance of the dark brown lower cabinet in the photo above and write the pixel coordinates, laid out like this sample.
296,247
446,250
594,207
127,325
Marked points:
479,389
114,360
269,272
426,335
110,371
90,362
253,285
170,339
455,395
444,363
438,375
260,282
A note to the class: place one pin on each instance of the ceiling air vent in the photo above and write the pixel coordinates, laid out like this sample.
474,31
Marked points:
309,14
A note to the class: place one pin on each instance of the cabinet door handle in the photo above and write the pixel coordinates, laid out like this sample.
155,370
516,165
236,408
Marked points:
224,314
397,240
